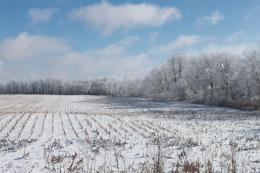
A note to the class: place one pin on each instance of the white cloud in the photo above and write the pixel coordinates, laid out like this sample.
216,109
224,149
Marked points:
111,61
128,66
110,17
233,49
41,15
120,46
214,18
37,56
237,49
182,41
31,46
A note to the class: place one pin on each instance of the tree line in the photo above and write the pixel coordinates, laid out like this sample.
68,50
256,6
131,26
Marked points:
217,78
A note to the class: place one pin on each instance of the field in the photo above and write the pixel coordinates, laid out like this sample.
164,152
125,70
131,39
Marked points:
99,134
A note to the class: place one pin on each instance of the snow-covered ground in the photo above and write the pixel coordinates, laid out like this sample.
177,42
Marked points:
41,133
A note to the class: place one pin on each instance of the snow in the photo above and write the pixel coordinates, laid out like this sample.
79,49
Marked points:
40,133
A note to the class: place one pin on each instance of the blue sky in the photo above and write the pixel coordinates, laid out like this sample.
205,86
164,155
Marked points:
71,39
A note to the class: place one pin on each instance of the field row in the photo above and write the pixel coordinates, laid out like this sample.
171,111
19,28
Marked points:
46,104
94,134
137,135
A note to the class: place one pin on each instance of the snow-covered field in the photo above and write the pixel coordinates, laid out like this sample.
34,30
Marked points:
98,134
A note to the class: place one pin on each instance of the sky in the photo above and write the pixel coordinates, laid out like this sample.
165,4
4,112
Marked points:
87,39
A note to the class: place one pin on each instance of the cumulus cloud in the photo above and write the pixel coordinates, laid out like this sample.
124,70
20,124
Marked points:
235,49
191,45
128,66
37,56
112,61
41,15
26,46
214,18
182,41
110,17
